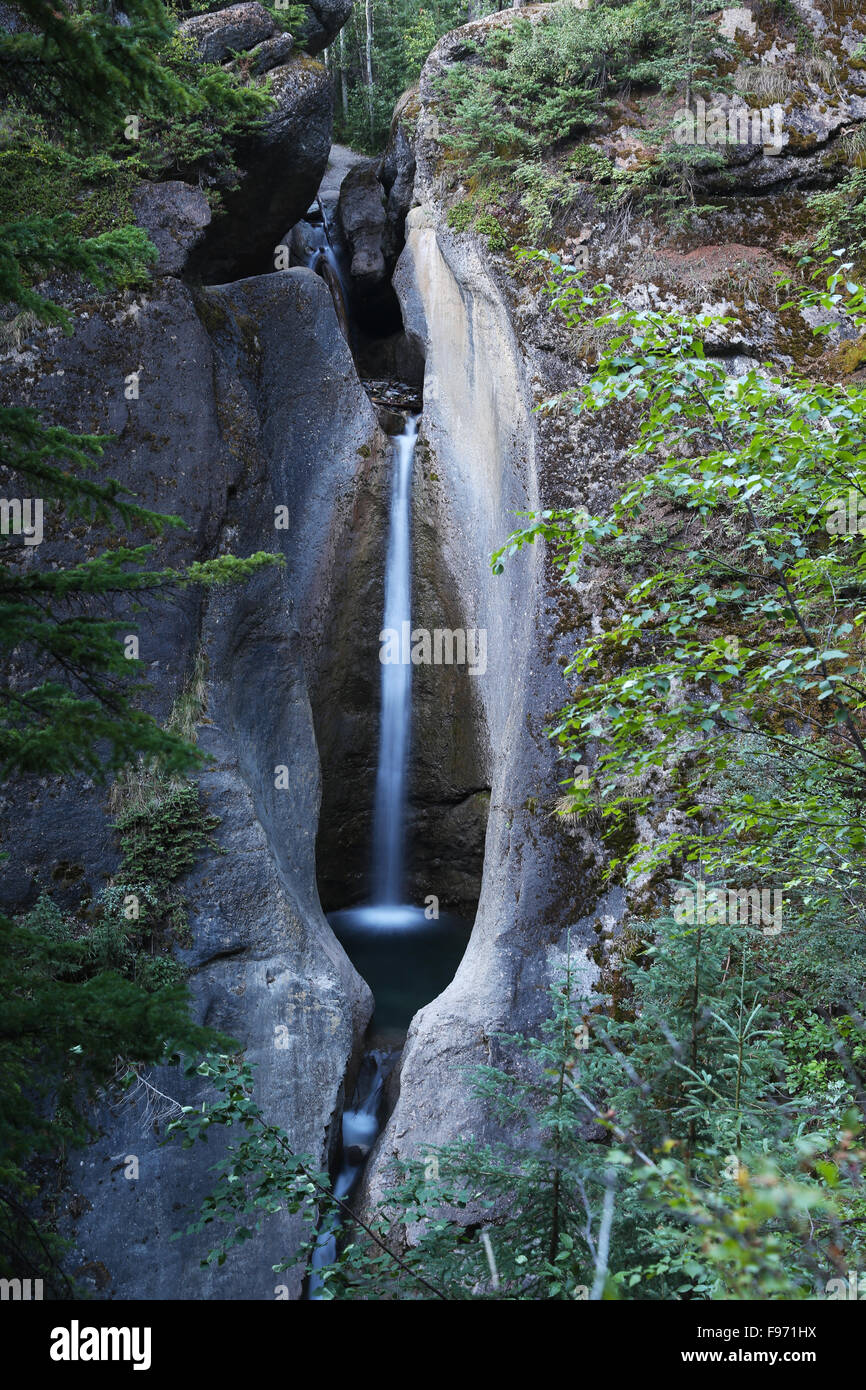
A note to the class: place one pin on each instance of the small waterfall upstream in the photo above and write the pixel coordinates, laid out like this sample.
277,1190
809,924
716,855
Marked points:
323,259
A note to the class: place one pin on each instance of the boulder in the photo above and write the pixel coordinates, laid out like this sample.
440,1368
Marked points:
397,176
234,30
304,241
174,215
361,211
271,54
325,20
281,168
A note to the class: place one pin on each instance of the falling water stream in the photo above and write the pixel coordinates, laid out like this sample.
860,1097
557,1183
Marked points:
407,954
389,809
360,1124
360,1127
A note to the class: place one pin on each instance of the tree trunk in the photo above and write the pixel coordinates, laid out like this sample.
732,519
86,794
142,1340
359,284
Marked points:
344,84
368,12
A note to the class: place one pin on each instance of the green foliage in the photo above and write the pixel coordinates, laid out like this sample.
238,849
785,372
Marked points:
840,217
543,196
536,84
161,841
461,216
33,248
81,712
474,214
84,73
521,88
745,615
198,144
71,1009
490,226
291,18
419,39
404,32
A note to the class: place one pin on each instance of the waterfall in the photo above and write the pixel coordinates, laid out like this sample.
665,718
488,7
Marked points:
396,681
359,1130
407,954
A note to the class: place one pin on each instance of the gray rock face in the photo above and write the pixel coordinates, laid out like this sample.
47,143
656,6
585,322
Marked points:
362,217
282,166
325,20
168,448
250,404
271,53
397,175
233,30
174,215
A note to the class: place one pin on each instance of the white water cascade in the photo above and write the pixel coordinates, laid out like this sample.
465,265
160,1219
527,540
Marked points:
360,1128
323,259
406,954
377,935
389,808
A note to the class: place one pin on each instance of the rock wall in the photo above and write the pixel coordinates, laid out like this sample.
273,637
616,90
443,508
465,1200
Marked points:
482,468
248,404
493,354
